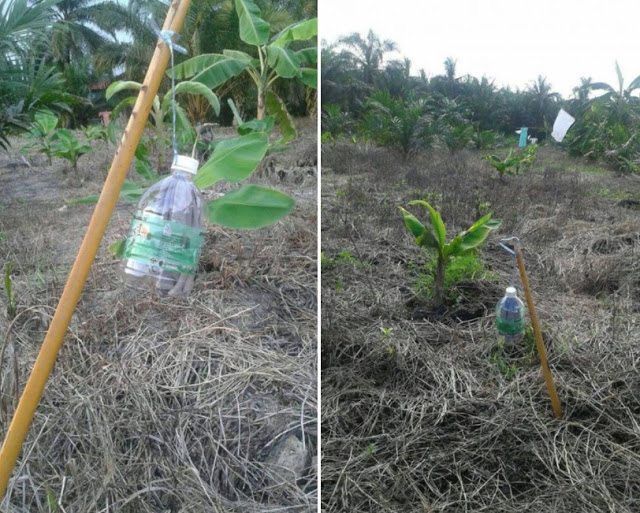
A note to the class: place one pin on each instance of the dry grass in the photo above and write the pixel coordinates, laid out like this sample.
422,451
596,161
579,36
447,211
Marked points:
434,416
165,405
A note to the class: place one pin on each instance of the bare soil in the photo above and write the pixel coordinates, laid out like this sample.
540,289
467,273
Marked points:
422,411
161,404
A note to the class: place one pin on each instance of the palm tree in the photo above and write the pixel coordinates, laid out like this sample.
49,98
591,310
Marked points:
541,92
609,128
22,26
544,102
210,26
447,84
581,91
339,79
397,79
402,124
580,101
368,53
450,74
21,23
480,97
85,27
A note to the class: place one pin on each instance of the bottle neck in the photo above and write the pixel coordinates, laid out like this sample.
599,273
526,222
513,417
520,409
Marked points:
182,174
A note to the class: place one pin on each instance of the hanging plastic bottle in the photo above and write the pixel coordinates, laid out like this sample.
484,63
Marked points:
165,237
510,317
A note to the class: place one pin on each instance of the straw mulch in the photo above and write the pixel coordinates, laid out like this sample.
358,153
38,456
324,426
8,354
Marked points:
432,414
164,405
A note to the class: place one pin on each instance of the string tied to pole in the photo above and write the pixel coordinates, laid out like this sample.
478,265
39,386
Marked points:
514,270
170,38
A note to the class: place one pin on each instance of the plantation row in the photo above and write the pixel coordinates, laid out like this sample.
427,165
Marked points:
366,97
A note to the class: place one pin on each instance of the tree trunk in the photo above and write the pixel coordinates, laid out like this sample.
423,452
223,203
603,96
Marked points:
262,106
438,296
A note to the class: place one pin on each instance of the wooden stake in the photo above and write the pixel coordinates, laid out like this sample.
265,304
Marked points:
95,231
542,351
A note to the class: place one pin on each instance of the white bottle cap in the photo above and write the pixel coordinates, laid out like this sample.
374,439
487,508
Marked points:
511,292
186,164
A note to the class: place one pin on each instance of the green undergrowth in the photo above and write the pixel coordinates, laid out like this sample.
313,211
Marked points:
434,198
617,194
327,263
508,366
594,169
460,268
568,165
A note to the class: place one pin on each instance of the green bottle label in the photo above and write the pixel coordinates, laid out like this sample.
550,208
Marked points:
163,245
510,326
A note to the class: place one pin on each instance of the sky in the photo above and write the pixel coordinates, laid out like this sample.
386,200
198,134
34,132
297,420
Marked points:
510,41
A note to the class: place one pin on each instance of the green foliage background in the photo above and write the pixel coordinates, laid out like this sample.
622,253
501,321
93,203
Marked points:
62,54
365,92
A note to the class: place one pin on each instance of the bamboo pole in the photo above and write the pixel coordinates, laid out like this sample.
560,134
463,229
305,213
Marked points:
77,277
551,387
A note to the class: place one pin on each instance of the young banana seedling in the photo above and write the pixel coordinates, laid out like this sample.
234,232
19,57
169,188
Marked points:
435,237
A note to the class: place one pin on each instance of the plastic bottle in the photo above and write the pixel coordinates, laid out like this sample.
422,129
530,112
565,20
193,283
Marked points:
510,317
165,237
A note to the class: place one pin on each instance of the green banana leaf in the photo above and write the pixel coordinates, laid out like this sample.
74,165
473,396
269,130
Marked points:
299,31
309,77
250,207
210,69
121,85
284,61
308,55
257,125
191,87
233,159
46,120
277,109
253,29
439,229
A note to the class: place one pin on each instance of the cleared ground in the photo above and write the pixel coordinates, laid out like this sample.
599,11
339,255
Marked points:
424,412
164,405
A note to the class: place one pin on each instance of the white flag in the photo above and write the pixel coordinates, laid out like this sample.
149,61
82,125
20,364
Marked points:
561,125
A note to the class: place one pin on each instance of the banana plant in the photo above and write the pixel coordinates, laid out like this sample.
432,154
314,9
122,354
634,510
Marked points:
621,96
527,158
273,59
233,160
435,237
161,110
42,132
96,133
512,164
68,147
503,166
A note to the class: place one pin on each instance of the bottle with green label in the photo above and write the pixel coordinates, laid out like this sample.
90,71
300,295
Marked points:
165,237
510,317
